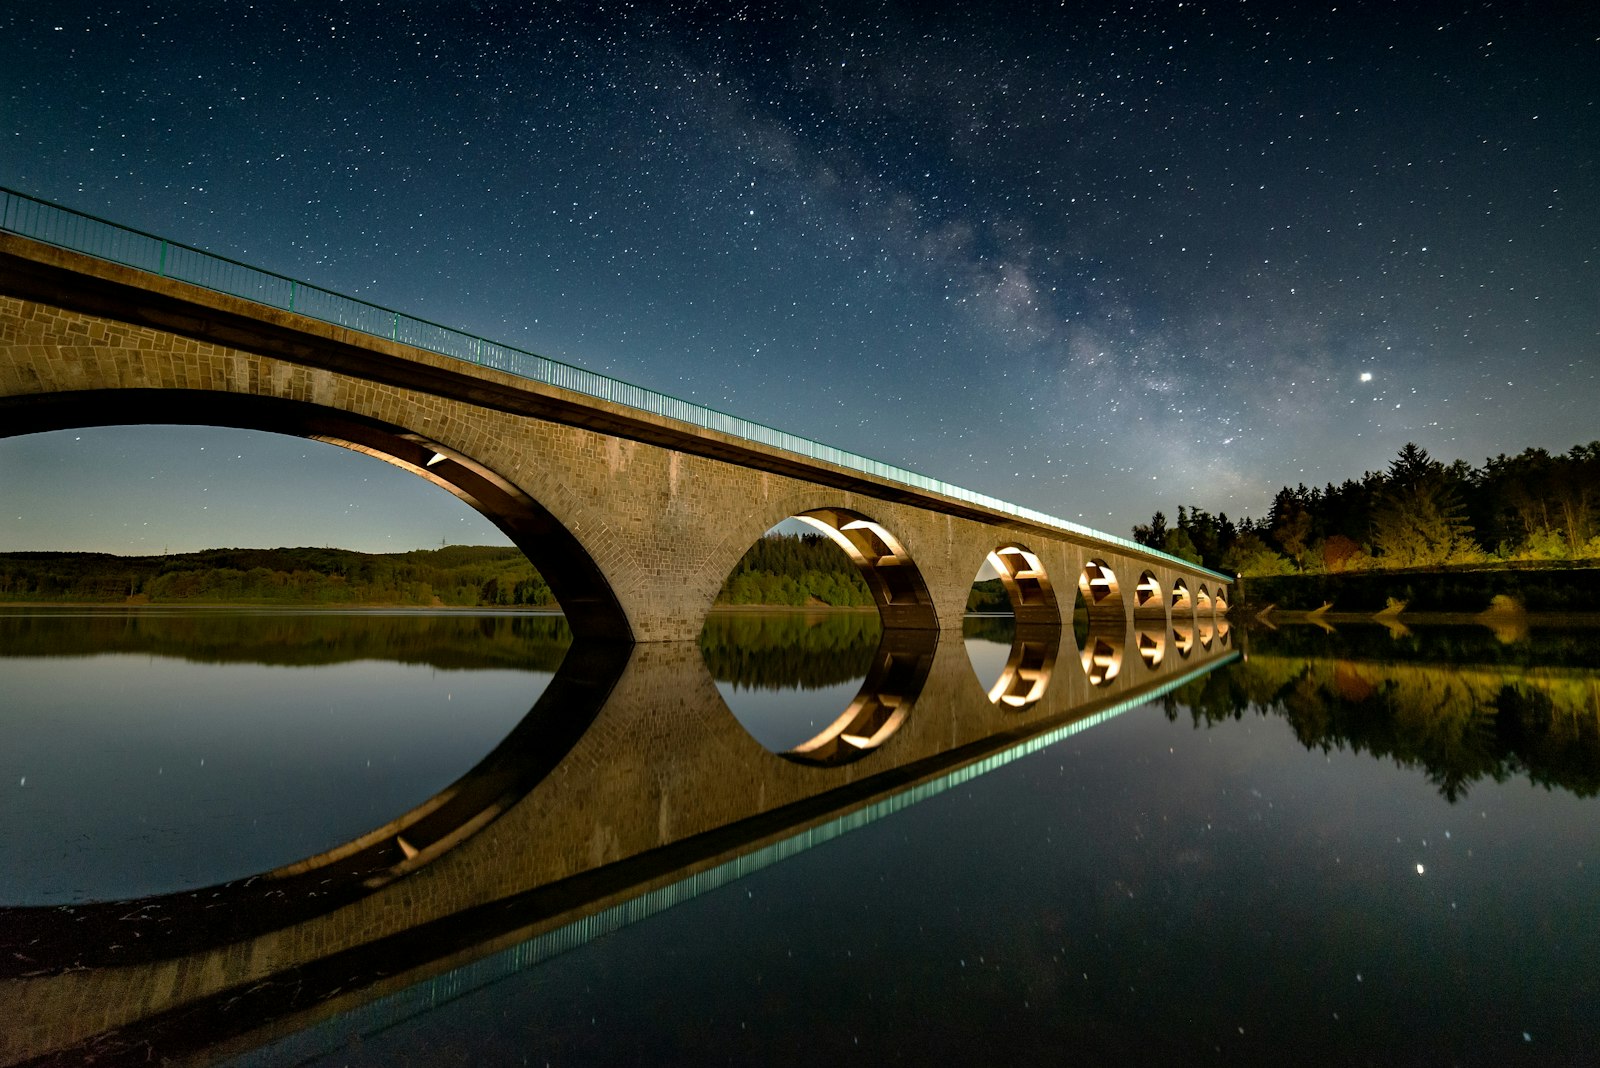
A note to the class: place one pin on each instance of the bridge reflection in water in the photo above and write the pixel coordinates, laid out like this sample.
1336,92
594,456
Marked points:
628,788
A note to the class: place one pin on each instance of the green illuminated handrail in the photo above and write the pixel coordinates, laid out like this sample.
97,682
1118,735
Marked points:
55,225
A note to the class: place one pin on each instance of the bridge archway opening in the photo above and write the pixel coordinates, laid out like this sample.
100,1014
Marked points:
1182,602
1098,623
1147,598
575,580
892,577
1202,603
832,558
1098,589
1012,580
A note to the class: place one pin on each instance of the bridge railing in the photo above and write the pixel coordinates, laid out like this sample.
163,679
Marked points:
55,225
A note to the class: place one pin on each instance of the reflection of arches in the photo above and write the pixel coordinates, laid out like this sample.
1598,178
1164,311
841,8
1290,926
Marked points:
896,584
1206,628
1097,584
1033,599
899,669
1152,646
1102,659
1183,637
583,591
1147,596
1223,633
96,934
1026,676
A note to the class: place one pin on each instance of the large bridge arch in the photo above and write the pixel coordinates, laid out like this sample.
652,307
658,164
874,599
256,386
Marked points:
873,534
580,586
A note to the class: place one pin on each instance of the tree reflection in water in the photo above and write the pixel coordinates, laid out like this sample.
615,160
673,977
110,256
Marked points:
776,650
1450,701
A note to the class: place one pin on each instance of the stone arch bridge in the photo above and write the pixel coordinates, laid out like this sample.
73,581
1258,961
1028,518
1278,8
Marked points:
635,512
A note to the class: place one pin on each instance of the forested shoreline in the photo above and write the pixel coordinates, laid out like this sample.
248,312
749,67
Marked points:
794,570
454,576
1419,513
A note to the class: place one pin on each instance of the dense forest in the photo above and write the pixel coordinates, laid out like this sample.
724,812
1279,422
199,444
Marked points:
1418,513
789,569
458,575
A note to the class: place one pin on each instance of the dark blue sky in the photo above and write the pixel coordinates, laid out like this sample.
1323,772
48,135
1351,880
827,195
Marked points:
1096,258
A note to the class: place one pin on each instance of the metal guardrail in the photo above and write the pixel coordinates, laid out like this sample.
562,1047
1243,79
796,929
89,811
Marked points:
102,239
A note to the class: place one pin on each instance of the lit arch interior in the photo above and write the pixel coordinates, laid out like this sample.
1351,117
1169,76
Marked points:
1033,598
1097,584
896,584
1181,601
1147,599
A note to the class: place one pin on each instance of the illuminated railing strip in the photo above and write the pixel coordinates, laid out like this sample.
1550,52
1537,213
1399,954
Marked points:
55,225
392,1009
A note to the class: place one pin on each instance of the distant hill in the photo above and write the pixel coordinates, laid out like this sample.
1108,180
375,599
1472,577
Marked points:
456,575
783,569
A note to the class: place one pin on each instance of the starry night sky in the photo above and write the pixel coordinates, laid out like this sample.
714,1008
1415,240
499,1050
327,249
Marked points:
1098,259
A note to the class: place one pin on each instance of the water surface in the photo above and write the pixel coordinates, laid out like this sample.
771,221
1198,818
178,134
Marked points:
148,751
1373,845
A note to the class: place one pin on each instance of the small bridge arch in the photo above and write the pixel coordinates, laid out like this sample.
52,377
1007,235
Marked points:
1101,591
897,585
1027,583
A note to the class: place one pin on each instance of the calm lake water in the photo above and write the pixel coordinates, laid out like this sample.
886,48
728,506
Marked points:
1362,846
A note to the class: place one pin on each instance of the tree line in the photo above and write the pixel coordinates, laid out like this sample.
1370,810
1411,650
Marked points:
795,569
1535,506
780,569
457,575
